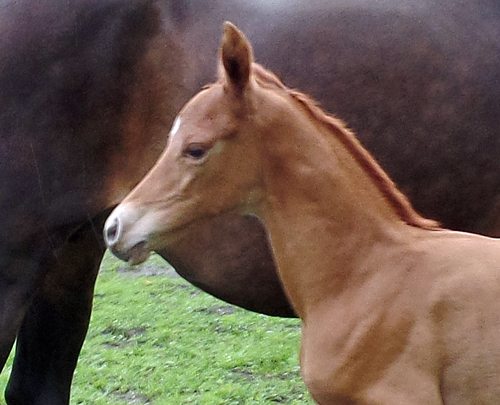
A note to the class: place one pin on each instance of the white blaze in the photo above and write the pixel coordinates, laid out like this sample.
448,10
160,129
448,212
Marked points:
175,126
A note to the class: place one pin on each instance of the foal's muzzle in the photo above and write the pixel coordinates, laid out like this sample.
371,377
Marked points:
124,245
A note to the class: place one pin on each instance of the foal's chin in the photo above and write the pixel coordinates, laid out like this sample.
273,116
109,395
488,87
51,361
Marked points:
137,254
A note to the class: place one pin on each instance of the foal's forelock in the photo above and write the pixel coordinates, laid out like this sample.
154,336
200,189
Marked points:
267,79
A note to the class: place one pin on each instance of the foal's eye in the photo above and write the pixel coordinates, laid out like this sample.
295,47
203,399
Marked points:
196,151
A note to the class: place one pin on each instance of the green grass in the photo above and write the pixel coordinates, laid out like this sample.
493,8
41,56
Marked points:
158,340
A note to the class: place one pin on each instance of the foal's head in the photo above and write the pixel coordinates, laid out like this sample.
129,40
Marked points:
211,164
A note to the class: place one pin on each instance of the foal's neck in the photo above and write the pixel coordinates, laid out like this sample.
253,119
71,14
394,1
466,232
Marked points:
323,211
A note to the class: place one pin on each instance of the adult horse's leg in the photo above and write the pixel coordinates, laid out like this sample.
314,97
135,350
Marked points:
56,323
17,283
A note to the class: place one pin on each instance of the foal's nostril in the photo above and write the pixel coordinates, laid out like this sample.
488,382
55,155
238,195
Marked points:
112,231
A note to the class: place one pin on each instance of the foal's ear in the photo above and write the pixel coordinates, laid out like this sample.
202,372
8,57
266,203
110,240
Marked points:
236,57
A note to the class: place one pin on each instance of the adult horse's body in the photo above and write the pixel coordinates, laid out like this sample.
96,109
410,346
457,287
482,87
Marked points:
81,90
394,309
88,89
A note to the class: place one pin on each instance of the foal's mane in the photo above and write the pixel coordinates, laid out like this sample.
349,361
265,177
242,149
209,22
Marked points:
389,190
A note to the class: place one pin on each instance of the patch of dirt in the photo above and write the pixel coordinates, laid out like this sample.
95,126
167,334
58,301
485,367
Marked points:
148,270
245,374
134,398
122,332
220,310
121,337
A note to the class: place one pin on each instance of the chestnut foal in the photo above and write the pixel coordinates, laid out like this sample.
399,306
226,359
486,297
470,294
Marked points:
395,310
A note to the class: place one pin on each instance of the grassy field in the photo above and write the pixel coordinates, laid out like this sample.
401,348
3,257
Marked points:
155,339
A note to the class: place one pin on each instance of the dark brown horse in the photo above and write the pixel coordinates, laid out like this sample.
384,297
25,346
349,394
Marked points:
88,89
80,99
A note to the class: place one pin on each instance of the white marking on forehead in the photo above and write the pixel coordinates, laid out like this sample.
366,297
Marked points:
175,126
